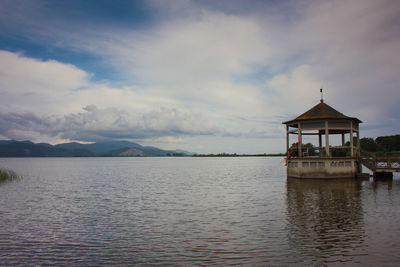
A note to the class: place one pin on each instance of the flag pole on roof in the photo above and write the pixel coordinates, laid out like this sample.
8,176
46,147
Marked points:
322,98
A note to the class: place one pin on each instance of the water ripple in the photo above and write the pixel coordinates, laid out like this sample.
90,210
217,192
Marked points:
191,211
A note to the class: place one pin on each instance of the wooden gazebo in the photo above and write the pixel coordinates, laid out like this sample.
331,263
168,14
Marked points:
323,160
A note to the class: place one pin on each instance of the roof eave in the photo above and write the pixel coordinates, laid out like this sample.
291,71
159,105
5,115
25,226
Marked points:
315,119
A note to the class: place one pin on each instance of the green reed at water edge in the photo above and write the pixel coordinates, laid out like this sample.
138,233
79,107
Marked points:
8,175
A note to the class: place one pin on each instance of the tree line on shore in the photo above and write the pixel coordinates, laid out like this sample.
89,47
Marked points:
240,155
381,144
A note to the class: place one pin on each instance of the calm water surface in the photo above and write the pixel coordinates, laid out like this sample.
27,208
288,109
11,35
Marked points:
192,211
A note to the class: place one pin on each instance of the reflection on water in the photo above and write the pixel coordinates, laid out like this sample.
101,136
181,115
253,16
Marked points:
325,219
378,184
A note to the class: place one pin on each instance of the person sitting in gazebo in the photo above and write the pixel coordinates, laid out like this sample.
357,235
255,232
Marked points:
293,151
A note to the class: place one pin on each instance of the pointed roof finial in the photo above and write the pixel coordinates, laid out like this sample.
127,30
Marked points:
322,98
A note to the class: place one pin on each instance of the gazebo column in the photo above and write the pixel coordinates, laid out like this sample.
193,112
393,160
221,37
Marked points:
299,140
287,139
358,142
319,139
351,140
327,139
343,139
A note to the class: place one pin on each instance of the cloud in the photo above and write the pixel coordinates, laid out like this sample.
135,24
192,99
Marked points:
349,49
60,89
38,101
95,124
29,76
211,46
27,82
294,90
174,121
224,61
52,87
353,50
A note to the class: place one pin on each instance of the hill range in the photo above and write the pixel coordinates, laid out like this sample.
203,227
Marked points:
12,148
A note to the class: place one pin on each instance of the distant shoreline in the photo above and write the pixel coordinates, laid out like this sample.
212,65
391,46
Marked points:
160,156
240,155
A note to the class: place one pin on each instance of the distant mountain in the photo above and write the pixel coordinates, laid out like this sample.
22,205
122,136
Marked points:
132,152
100,148
28,149
12,148
116,148
2,142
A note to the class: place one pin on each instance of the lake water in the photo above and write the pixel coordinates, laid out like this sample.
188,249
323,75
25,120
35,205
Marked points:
192,211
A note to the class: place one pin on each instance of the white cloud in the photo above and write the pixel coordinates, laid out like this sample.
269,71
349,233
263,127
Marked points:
51,87
296,91
212,46
27,83
28,75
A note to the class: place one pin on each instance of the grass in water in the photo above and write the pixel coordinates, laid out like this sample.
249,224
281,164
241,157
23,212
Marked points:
8,175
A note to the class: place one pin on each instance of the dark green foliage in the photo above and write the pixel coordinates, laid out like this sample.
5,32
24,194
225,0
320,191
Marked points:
240,155
382,144
368,144
308,145
7,175
389,143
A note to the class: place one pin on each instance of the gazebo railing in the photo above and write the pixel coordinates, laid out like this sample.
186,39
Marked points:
320,152
380,163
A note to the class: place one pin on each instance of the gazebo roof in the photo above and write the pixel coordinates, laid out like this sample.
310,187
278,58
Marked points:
322,111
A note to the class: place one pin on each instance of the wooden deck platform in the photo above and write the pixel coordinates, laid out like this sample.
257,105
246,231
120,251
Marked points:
381,166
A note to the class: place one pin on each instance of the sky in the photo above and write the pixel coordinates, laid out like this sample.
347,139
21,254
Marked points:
203,76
